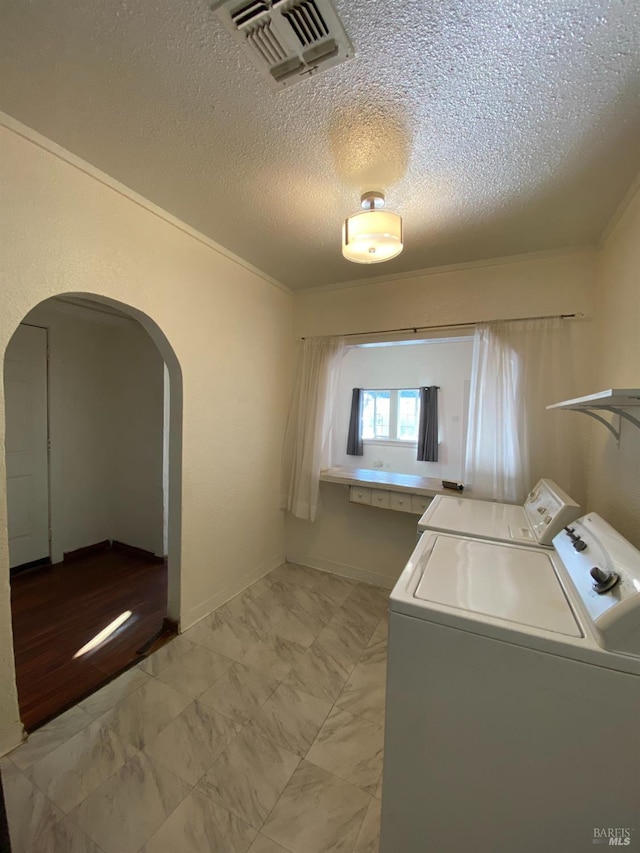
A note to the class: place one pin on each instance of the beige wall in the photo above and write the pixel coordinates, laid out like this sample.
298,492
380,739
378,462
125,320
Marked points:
362,542
556,283
614,483
373,543
137,439
66,229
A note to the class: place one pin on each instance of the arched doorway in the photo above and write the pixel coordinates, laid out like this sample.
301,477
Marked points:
170,440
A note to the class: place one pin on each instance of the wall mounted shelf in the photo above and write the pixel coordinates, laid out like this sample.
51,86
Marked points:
615,400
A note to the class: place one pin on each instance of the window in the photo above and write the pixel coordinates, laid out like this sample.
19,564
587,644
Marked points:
380,429
390,414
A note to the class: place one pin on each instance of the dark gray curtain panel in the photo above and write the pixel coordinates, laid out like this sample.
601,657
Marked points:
428,428
354,437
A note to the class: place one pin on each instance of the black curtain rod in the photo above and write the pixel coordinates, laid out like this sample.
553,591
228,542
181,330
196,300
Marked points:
416,329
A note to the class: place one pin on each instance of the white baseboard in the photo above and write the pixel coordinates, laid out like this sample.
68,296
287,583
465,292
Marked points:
343,570
11,737
188,619
276,561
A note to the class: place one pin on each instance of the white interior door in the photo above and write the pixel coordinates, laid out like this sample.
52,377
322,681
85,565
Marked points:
25,388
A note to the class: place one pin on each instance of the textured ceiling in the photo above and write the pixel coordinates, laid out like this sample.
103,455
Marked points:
495,127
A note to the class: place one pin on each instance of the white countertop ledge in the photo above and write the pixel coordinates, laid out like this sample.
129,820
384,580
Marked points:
391,482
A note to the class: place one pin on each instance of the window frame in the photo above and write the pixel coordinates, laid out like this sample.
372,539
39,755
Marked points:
392,440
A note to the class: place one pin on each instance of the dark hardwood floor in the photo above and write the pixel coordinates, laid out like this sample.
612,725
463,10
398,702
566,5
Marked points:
58,609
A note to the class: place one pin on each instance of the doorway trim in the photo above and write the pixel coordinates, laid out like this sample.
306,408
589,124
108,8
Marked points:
45,559
174,492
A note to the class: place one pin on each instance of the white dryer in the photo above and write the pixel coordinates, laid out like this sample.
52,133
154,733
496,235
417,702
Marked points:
513,696
546,511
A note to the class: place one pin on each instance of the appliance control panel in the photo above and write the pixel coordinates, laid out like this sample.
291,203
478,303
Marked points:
548,509
604,569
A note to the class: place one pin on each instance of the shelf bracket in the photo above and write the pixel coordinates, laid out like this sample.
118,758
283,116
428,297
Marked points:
614,432
614,400
628,417
620,414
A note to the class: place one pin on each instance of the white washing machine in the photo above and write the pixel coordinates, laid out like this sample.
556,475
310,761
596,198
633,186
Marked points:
546,511
513,696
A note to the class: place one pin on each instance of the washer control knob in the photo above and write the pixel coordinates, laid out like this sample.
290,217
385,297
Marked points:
603,581
579,544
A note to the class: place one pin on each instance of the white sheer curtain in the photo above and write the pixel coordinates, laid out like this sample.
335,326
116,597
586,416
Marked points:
306,445
519,367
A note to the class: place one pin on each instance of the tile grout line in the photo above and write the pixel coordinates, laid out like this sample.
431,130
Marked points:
316,587
304,758
48,796
138,751
333,705
166,818
244,727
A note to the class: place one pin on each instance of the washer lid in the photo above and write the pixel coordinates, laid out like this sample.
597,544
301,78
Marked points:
513,584
488,520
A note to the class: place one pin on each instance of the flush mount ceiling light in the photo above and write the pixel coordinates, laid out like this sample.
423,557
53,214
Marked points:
373,236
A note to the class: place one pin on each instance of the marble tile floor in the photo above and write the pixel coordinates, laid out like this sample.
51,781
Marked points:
259,730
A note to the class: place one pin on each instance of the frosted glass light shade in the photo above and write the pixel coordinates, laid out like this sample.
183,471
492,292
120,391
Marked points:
372,236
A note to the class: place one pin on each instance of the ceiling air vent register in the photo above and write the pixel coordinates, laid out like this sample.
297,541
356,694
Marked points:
288,40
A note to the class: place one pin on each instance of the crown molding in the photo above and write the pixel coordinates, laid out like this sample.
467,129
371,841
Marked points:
429,271
620,211
81,165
